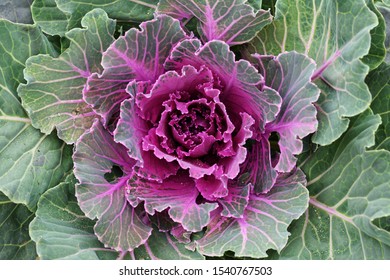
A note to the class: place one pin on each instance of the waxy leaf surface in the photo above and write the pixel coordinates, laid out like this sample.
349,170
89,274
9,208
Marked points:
53,93
349,188
335,36
30,161
231,21
119,225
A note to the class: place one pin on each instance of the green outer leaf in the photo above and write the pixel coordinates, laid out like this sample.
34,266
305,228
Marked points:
16,10
49,17
163,246
60,229
255,4
349,189
30,162
122,10
379,83
15,243
322,29
53,93
385,11
377,51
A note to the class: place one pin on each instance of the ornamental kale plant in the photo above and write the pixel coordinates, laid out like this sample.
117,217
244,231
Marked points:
193,129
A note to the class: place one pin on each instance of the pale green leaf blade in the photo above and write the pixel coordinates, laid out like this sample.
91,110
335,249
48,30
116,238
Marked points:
349,188
49,17
60,229
53,93
122,10
335,36
15,242
16,10
30,161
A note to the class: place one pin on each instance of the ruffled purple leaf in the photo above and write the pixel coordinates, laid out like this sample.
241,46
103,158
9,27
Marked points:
232,21
263,225
151,104
238,80
178,194
119,225
290,75
138,55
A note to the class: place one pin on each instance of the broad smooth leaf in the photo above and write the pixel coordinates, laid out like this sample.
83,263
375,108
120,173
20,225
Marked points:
53,93
119,225
15,243
163,246
138,55
16,10
60,229
379,83
335,36
349,188
49,17
122,10
30,161
264,223
231,21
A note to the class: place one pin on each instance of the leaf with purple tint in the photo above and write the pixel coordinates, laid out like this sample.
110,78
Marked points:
122,10
257,167
232,21
178,193
349,190
335,36
263,226
60,229
236,201
53,93
101,195
138,55
239,79
290,75
162,246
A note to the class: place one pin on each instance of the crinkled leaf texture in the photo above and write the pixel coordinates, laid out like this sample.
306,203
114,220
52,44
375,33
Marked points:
141,71
53,93
263,225
333,34
231,21
61,231
119,225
